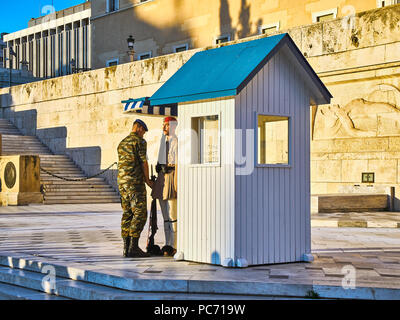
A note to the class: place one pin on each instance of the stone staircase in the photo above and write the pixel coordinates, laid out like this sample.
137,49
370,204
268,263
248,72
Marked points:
56,191
24,279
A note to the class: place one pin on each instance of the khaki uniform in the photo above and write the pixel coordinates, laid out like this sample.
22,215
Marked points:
132,152
168,154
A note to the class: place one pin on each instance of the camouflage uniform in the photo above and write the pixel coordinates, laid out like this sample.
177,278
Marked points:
131,184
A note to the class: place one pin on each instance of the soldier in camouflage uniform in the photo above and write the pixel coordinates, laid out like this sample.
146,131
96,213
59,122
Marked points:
133,173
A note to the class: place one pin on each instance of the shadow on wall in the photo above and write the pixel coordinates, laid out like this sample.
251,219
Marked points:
86,158
149,37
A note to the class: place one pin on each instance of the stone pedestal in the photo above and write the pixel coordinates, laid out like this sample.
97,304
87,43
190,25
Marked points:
20,180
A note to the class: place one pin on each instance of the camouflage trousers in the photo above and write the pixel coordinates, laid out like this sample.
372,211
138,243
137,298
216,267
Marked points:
134,216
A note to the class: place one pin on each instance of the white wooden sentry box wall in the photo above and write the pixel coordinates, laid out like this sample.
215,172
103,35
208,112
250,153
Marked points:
272,205
262,217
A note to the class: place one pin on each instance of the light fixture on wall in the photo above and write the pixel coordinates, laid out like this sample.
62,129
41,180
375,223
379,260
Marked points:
131,43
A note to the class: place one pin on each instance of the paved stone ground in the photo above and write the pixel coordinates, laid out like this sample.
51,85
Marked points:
381,219
89,236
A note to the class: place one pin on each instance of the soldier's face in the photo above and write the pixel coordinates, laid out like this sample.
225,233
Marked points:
141,131
166,128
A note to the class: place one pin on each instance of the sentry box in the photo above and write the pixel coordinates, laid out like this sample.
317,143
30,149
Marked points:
244,152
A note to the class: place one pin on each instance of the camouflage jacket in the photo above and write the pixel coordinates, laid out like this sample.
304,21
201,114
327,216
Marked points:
131,155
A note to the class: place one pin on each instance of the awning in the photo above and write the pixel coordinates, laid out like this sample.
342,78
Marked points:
142,105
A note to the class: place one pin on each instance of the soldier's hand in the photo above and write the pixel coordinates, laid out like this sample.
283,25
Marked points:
150,184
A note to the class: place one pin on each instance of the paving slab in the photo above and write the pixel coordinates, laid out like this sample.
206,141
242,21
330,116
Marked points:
83,243
378,219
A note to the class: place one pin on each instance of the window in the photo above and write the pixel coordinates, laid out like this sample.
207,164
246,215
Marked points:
144,55
272,139
112,5
325,15
112,62
182,47
269,28
223,38
206,150
385,3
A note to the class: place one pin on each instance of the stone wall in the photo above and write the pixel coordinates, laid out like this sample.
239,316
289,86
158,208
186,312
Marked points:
81,114
358,59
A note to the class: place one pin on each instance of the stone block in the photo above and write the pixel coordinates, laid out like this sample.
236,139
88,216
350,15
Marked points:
351,145
352,169
348,59
326,171
385,170
388,124
351,203
92,156
394,143
22,185
392,52
335,36
296,35
312,40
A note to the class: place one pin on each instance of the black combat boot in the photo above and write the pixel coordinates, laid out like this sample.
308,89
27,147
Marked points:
135,251
127,241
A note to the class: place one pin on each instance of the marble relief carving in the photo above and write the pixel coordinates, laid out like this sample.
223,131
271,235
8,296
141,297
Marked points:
375,115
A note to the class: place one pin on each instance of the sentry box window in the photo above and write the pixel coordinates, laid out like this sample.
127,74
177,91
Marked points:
206,139
273,139
368,177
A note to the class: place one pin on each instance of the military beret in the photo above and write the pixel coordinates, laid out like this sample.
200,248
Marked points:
142,124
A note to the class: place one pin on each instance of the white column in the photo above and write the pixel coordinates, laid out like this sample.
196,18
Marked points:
89,46
49,55
81,47
72,44
41,56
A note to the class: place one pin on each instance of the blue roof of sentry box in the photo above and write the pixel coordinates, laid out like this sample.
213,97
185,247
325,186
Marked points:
216,72
226,70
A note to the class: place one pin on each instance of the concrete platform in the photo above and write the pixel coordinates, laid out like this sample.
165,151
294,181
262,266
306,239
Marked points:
83,244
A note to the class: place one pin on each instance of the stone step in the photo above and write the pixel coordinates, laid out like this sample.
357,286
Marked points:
70,169
23,147
6,132
60,163
72,289
12,292
23,153
80,192
64,189
9,150
80,201
53,180
18,138
69,175
59,182
159,288
79,197
349,202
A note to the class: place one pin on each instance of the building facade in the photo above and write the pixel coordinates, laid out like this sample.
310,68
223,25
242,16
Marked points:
53,45
162,27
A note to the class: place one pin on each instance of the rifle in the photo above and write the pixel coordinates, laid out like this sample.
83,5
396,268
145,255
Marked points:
151,247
